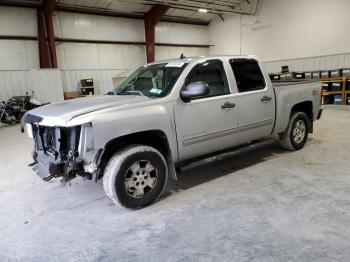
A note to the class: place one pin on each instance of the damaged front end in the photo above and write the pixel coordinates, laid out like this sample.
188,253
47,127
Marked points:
62,151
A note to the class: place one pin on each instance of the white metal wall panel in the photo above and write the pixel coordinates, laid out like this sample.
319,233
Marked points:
22,21
92,27
23,55
13,83
78,56
166,52
103,79
18,54
111,56
20,59
121,56
285,30
225,36
311,63
72,56
294,29
181,33
135,56
46,84
18,21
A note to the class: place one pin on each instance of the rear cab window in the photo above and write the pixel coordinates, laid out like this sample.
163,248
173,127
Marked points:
248,75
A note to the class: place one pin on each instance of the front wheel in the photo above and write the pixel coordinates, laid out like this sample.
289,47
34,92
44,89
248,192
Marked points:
294,138
135,176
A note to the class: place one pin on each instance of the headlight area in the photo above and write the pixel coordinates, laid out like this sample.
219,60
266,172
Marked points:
29,130
87,151
62,151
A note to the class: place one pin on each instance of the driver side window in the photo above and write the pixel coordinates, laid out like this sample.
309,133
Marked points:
213,74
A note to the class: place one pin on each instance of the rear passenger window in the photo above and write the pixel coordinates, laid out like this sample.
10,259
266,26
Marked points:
211,72
248,75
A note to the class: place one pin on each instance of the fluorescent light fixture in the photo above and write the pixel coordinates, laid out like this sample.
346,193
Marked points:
203,10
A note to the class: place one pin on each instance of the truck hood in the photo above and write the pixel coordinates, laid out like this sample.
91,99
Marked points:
60,113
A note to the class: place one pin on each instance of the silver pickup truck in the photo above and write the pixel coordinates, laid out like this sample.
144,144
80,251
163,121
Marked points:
164,114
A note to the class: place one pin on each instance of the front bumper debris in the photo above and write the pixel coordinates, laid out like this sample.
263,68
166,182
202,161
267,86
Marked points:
47,167
41,166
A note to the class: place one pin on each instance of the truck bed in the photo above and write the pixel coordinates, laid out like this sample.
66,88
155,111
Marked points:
293,82
294,92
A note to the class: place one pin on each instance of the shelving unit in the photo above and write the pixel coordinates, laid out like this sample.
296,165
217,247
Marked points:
347,92
343,92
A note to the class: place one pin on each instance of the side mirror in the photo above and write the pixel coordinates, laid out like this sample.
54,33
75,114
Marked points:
194,90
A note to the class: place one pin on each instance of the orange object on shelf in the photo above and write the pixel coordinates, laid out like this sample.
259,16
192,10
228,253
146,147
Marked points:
71,95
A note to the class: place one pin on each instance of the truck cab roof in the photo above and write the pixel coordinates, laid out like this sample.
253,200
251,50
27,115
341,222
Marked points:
196,58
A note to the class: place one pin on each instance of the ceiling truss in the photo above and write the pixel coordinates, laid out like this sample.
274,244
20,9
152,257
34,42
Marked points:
186,10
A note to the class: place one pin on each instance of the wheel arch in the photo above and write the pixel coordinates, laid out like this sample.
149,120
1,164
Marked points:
153,138
307,108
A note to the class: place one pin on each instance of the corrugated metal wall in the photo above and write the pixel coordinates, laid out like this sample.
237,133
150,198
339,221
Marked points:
13,83
46,84
102,62
103,79
49,84
311,63
166,52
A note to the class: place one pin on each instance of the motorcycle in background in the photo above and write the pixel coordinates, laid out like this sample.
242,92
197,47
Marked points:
13,110
6,114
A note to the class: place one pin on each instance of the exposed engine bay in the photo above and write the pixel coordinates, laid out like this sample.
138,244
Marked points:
56,152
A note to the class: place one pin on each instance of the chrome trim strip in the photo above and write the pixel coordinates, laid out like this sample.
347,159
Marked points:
256,125
213,135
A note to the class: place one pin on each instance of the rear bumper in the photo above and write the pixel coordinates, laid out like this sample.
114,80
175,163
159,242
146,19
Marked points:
319,114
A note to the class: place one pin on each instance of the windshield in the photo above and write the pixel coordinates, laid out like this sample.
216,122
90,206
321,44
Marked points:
152,80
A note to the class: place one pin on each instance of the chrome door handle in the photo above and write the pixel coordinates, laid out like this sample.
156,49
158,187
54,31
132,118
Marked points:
266,99
228,105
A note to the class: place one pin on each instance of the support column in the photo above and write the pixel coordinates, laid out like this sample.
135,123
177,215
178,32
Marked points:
152,17
43,48
49,6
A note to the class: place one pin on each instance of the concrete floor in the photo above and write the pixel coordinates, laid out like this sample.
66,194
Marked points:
260,204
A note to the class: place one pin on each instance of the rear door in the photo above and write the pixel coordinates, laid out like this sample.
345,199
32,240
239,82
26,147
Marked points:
209,123
256,101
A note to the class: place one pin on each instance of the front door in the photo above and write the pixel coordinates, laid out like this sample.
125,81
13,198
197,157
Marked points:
256,100
209,123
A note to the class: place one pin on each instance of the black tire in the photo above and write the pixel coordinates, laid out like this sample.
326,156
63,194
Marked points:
127,175
296,134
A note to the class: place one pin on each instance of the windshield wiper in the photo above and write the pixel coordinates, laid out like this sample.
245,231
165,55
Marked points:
131,93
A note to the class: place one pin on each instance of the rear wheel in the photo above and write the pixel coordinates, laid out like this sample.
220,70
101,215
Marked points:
135,176
294,138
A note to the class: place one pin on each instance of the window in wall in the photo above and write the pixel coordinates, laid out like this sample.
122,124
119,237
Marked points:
248,75
211,72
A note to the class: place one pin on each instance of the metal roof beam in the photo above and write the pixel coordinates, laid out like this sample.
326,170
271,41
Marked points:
195,8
